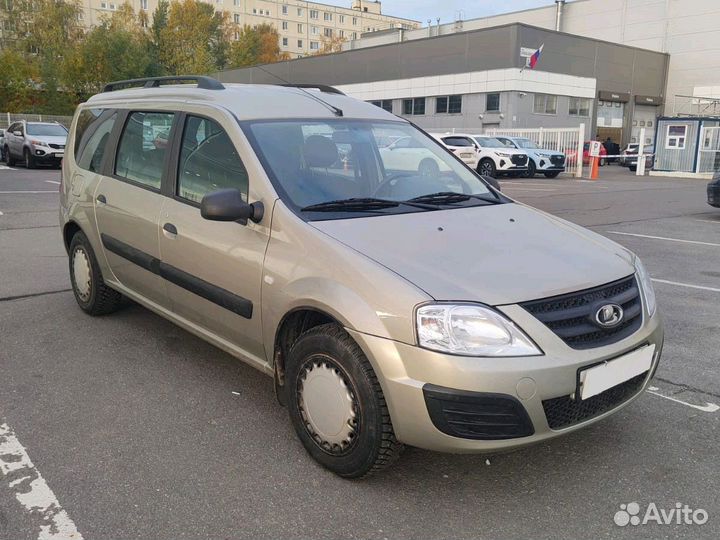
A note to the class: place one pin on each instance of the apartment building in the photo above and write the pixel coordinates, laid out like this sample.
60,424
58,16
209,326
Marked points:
303,26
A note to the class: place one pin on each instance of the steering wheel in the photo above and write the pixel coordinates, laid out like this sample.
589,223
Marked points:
392,181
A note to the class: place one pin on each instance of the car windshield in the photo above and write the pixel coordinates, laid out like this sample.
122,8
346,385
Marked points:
315,162
490,142
46,130
526,143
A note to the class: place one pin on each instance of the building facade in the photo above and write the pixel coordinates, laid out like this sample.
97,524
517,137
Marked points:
303,26
477,80
688,30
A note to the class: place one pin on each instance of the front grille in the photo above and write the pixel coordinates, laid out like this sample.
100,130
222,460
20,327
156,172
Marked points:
519,159
572,316
57,146
564,411
476,415
557,160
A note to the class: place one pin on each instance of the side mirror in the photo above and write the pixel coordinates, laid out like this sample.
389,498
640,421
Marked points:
492,181
228,205
17,133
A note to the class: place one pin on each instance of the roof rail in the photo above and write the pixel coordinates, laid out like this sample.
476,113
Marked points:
206,83
322,87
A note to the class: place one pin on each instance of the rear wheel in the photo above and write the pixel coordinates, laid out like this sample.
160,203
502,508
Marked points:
91,293
552,174
602,162
336,404
532,169
487,168
8,156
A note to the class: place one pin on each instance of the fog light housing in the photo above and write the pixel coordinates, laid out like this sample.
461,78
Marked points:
39,153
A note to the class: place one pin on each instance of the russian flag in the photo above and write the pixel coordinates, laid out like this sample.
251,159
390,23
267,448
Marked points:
536,57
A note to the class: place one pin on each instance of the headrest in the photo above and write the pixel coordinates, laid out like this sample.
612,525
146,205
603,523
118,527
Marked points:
319,151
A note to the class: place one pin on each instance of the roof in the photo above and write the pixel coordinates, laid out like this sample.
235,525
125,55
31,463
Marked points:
250,101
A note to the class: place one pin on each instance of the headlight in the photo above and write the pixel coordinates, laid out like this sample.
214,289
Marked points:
38,143
502,154
646,286
471,330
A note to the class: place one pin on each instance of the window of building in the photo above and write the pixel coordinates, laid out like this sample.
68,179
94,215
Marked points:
300,12
91,137
236,2
492,102
254,11
545,104
143,4
314,14
448,104
284,10
314,45
415,106
385,104
314,30
285,42
341,19
327,16
237,36
285,25
236,18
300,28
341,33
354,35
354,21
143,143
580,107
676,137
328,32
300,43
208,161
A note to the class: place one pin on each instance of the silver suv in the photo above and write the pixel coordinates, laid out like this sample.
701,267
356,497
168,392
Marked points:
34,143
392,302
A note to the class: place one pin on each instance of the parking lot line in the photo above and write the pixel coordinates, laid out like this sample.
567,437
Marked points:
26,192
31,490
665,238
53,182
530,189
708,407
716,222
688,285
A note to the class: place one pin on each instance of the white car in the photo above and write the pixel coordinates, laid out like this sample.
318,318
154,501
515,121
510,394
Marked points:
492,158
408,154
541,160
35,143
462,147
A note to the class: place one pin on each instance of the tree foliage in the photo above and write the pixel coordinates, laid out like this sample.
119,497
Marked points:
330,45
256,45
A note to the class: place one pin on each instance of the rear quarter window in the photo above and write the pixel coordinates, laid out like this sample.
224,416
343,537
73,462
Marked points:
92,133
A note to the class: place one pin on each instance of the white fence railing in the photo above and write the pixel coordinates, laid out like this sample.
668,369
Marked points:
7,118
567,140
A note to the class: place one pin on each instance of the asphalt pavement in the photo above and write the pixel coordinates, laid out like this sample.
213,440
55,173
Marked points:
140,430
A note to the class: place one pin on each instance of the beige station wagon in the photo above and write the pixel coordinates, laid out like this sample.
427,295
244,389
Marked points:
394,302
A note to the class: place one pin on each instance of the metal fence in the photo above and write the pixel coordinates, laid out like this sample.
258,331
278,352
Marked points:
567,140
7,118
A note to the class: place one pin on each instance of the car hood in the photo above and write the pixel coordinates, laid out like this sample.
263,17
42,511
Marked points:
500,254
505,150
48,139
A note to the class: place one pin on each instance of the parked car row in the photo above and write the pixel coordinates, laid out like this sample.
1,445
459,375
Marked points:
629,157
33,143
501,155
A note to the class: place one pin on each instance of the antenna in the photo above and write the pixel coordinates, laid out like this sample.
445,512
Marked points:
335,110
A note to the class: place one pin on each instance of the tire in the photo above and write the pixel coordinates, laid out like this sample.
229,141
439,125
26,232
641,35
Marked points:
91,293
327,368
552,174
602,162
486,167
10,159
532,169
429,167
29,161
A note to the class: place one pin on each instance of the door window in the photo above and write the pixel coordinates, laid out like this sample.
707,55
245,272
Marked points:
143,144
208,161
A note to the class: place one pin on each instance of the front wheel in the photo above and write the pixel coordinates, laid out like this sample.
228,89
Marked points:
336,404
552,174
29,161
487,168
532,169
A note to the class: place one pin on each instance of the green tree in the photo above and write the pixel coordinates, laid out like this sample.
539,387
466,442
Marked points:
258,45
18,82
159,23
195,39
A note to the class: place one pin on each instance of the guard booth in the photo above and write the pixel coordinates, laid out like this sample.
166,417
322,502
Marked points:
688,145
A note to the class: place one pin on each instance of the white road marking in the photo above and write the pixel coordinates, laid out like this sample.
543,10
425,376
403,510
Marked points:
688,285
1,214
708,407
715,221
32,491
529,189
53,182
665,238
526,184
25,192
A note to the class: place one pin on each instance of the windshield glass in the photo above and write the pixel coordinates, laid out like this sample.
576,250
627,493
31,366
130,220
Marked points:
526,143
46,130
490,142
315,162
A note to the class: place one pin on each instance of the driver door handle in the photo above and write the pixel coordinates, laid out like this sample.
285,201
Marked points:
170,229
101,199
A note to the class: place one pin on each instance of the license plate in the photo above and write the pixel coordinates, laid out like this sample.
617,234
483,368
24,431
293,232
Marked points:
597,379
59,154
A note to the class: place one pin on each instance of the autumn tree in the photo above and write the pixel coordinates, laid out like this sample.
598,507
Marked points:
18,81
330,45
195,38
256,45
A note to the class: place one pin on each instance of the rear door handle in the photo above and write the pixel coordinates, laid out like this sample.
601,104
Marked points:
170,229
101,199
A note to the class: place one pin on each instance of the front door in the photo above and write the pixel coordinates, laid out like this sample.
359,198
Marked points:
213,269
128,203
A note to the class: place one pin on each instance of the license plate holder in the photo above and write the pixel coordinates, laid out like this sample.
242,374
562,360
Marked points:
596,379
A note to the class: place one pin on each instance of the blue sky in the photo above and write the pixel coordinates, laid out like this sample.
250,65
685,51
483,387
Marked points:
422,10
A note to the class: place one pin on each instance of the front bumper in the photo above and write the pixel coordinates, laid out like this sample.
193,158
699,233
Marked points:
47,155
408,373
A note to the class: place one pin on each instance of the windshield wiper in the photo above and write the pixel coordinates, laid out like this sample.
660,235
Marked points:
450,197
366,204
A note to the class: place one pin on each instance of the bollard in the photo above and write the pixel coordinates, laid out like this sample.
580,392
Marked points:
594,168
